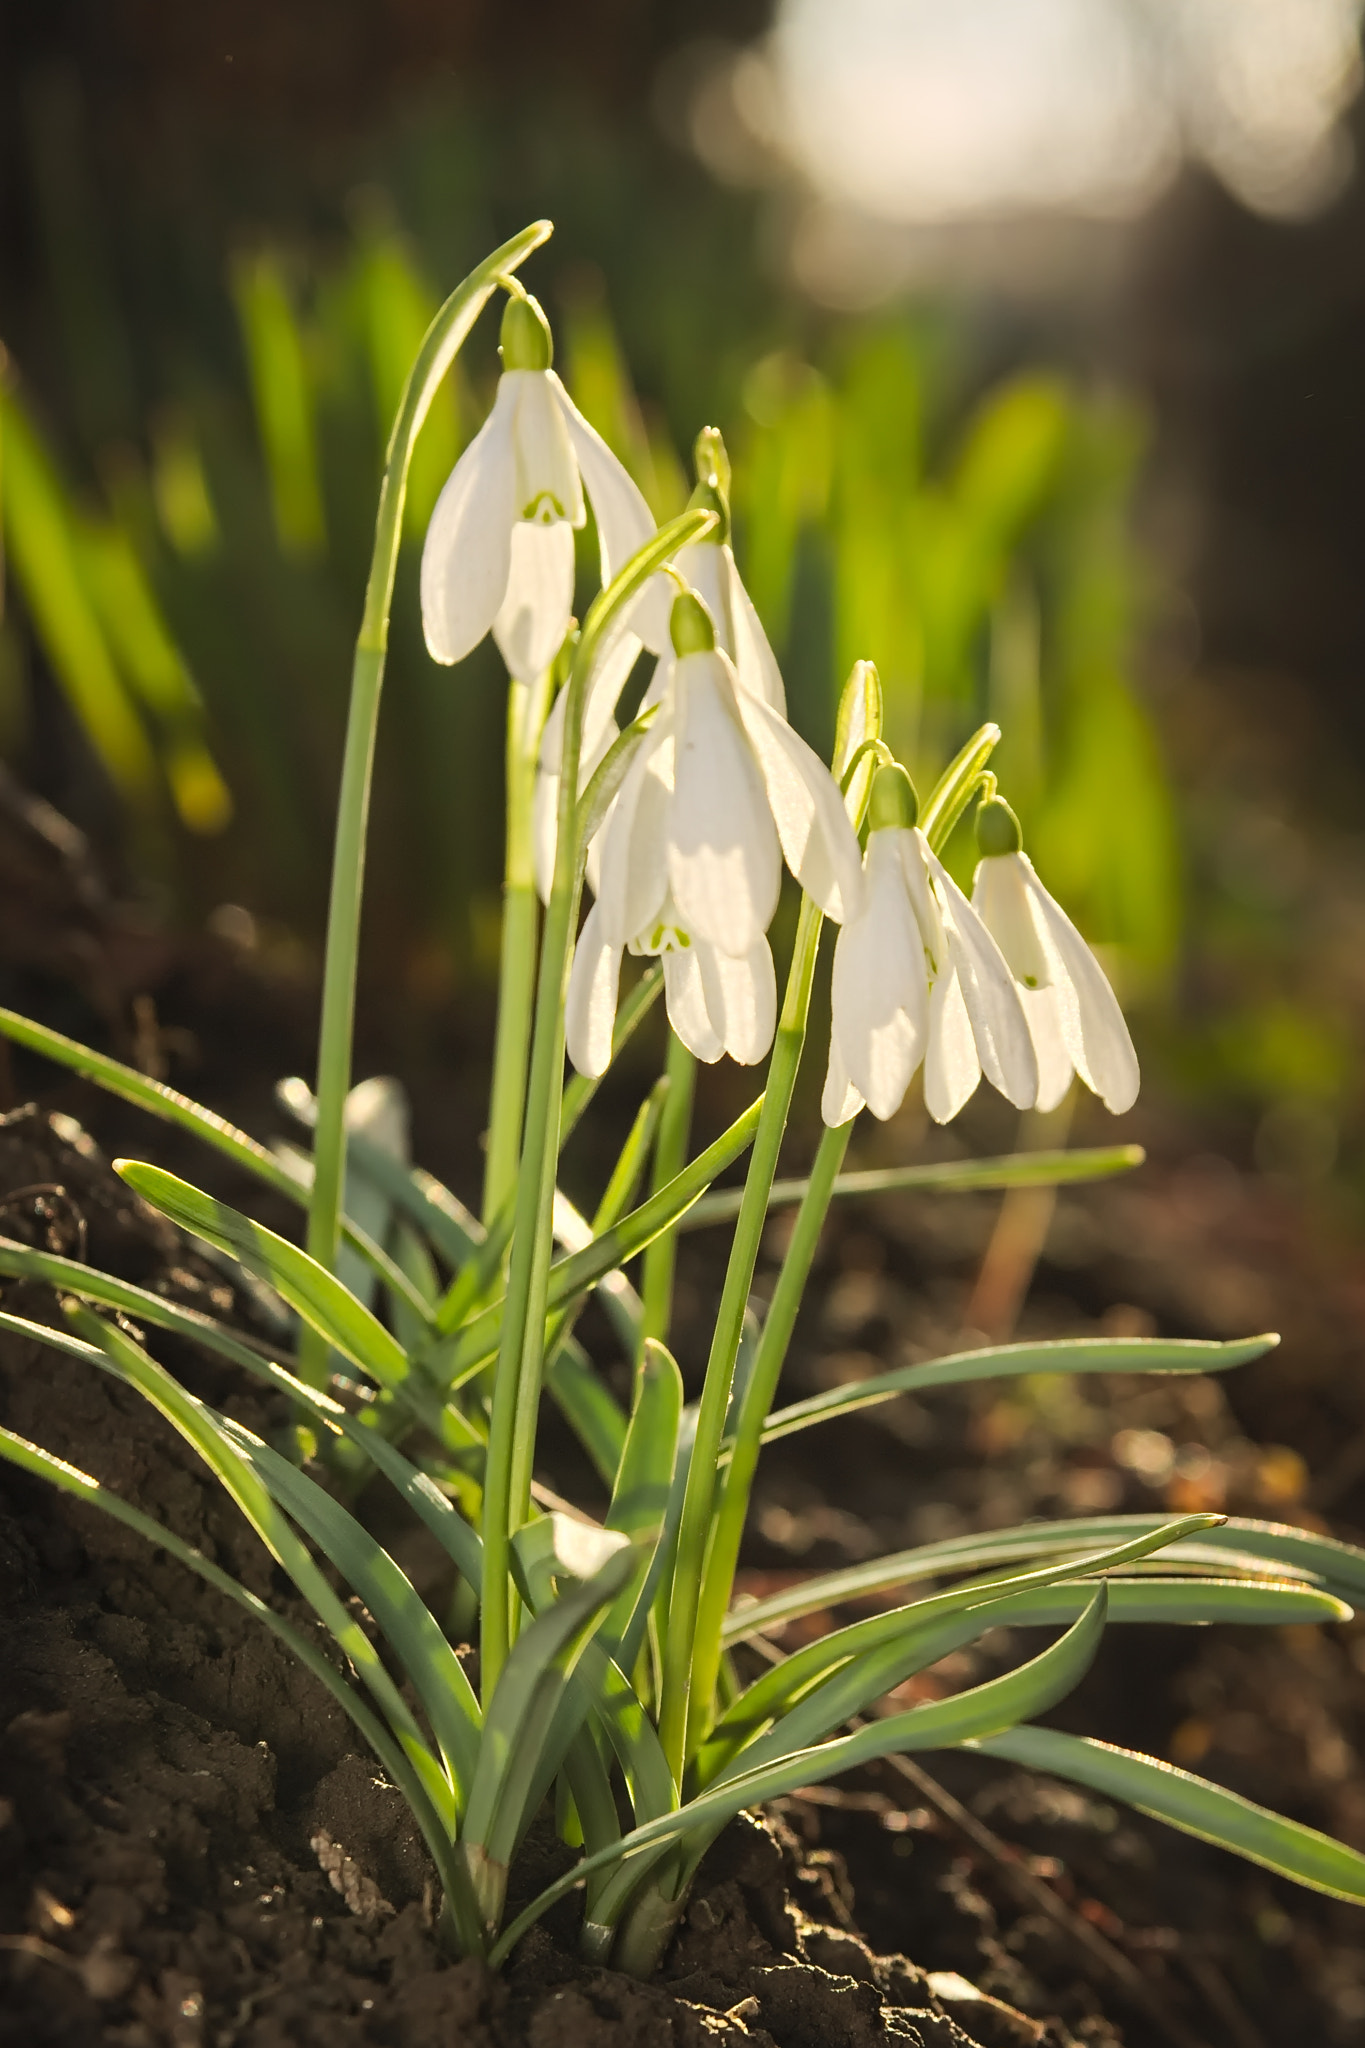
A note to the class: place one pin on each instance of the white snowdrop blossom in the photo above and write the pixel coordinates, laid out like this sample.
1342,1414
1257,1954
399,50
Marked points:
919,979
708,568
719,792
1073,1015
499,552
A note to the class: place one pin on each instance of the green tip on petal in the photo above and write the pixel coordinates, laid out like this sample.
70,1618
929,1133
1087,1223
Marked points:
893,802
997,829
527,343
691,625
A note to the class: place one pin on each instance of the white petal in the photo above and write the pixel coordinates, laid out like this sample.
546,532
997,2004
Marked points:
1108,1063
880,988
755,663
724,862
812,823
598,738
688,1012
624,520
1045,1009
535,611
841,1101
1002,900
610,674
741,998
547,481
916,862
467,551
590,1009
952,1067
992,997
634,839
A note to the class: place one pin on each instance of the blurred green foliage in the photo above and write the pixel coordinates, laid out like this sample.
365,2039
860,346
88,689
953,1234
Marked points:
191,574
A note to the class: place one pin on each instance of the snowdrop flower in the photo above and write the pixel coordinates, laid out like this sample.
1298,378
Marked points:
719,791
918,978
708,568
499,551
1073,1016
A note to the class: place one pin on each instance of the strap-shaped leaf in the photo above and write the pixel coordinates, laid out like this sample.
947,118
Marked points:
436,1673
452,1229
43,1465
478,1341
1179,1602
319,1297
174,1108
828,1682
939,1724
519,1721
117,1353
1228,1547
1191,1804
944,1176
1010,1361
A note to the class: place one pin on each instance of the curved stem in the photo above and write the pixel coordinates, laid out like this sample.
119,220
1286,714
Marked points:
443,341
526,710
521,1345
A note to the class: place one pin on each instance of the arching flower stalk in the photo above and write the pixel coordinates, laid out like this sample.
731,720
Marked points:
499,552
720,791
1073,1015
918,979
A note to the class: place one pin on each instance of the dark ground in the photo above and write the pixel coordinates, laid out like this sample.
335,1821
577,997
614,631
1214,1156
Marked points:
177,1793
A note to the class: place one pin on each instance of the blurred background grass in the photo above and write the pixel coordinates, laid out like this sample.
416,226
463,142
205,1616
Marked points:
1071,446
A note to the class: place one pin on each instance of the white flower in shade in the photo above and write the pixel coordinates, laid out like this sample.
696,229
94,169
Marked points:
1073,1015
918,978
499,551
719,791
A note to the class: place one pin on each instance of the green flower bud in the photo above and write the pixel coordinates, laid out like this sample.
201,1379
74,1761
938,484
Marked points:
997,829
527,343
712,461
691,625
893,801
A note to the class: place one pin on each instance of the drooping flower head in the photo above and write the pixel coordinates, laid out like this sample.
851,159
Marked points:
719,792
499,551
919,979
1073,1015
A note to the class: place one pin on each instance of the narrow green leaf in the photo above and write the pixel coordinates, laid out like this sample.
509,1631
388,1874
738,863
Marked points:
827,1682
1191,1804
1226,1547
948,1176
478,1341
174,1108
319,1297
518,1723
939,1724
1011,1361
587,1404
226,1462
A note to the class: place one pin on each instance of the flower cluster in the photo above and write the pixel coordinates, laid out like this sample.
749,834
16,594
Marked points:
720,791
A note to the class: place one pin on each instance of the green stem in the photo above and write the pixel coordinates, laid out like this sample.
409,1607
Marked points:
526,710
517,1376
699,1498
753,1413
670,1153
442,343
